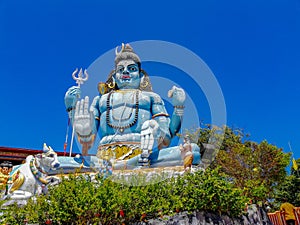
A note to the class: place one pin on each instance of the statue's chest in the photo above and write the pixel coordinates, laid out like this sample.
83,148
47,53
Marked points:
124,103
122,110
119,100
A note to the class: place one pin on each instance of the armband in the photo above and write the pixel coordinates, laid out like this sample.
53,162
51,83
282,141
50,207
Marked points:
160,114
178,110
179,106
86,138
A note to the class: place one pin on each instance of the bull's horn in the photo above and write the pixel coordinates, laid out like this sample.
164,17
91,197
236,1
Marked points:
45,147
51,148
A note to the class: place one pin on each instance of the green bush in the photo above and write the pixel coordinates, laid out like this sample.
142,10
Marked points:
78,201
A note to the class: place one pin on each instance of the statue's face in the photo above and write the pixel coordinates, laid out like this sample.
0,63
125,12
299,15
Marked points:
5,170
127,75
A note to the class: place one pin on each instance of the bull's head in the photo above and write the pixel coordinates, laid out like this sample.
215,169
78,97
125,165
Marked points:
47,160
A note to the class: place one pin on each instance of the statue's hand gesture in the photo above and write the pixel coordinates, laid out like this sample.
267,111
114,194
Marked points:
83,118
178,98
149,133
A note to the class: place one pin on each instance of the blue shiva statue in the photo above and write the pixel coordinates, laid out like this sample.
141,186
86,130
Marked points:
131,119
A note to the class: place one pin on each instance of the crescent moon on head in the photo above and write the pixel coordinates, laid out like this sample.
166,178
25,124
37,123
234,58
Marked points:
122,49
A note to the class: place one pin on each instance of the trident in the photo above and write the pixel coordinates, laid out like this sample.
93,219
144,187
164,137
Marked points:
79,80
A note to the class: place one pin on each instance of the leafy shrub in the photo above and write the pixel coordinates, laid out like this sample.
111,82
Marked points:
78,201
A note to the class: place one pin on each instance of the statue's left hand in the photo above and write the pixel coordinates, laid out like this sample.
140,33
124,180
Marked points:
178,96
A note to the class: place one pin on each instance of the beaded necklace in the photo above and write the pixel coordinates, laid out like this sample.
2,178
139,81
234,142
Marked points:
121,128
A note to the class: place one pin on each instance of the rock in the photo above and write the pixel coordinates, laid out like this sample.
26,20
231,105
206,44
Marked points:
254,216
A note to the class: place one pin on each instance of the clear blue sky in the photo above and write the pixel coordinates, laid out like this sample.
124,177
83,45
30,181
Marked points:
252,47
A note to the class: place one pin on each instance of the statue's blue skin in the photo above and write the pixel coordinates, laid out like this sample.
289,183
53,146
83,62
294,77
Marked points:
122,110
149,104
128,80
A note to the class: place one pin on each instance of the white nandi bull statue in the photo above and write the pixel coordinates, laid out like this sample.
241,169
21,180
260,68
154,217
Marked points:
29,178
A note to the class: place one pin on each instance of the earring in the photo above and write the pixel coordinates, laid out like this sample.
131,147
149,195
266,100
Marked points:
144,83
112,84
102,88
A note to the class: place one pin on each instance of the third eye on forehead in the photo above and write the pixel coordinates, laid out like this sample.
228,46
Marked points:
130,68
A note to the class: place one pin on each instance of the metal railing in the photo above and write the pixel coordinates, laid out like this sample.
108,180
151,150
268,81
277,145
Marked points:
277,218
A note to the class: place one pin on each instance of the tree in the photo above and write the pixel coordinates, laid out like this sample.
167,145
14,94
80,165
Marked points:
255,167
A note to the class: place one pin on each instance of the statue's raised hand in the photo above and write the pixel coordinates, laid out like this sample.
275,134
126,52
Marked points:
178,98
83,118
